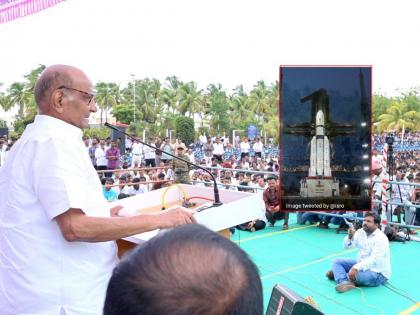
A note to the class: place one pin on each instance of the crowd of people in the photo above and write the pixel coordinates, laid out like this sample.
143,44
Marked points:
409,141
141,169
136,169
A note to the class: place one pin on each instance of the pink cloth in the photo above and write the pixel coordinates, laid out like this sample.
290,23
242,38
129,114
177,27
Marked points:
13,9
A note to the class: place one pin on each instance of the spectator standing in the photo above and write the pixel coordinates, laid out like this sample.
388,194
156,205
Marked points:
137,151
244,146
101,161
113,157
92,150
258,147
158,153
149,154
180,168
218,150
208,151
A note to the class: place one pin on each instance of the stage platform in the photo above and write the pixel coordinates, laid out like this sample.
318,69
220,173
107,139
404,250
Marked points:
299,257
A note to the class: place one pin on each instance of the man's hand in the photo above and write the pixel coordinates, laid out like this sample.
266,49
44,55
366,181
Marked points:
351,232
115,210
176,216
251,224
353,274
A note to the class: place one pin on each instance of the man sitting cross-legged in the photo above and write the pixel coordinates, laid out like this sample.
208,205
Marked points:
373,266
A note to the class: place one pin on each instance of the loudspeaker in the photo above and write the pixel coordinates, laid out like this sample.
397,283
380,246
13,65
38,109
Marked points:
284,301
4,132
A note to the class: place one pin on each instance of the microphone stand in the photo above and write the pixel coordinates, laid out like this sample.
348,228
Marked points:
216,202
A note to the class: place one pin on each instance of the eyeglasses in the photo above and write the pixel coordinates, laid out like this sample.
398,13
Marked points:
90,96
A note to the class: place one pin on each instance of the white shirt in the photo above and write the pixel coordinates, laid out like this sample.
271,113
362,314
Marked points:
218,148
137,148
377,187
244,147
258,146
149,153
142,190
373,253
100,157
123,190
47,172
191,157
128,143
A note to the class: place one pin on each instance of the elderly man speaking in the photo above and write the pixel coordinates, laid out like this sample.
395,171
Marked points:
56,230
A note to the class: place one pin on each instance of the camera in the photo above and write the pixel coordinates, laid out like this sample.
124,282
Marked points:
389,140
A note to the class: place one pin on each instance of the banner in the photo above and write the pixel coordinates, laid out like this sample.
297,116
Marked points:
325,138
13,9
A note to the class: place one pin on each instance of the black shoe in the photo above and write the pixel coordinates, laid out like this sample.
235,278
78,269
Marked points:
270,218
323,225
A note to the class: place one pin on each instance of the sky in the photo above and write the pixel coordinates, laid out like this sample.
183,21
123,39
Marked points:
228,42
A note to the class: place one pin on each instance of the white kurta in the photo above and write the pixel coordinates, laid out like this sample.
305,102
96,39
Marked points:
47,172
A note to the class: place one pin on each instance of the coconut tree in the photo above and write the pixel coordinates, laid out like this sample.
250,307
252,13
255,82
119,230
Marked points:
272,127
259,100
168,98
147,94
107,95
5,101
189,99
219,108
397,118
238,105
19,96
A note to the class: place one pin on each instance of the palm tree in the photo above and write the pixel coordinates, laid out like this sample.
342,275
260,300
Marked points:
272,127
19,96
189,99
107,94
239,105
5,101
168,98
171,92
32,77
397,118
148,95
274,95
205,107
174,82
259,100
219,107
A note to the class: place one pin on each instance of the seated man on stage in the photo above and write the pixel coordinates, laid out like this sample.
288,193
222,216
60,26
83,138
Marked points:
172,274
373,266
272,204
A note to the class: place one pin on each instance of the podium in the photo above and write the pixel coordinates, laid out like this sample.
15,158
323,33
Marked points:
237,208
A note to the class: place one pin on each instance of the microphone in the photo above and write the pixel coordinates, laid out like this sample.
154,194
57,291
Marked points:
216,202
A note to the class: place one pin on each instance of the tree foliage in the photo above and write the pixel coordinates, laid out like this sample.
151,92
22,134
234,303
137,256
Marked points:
397,118
3,123
150,105
101,133
125,113
184,129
